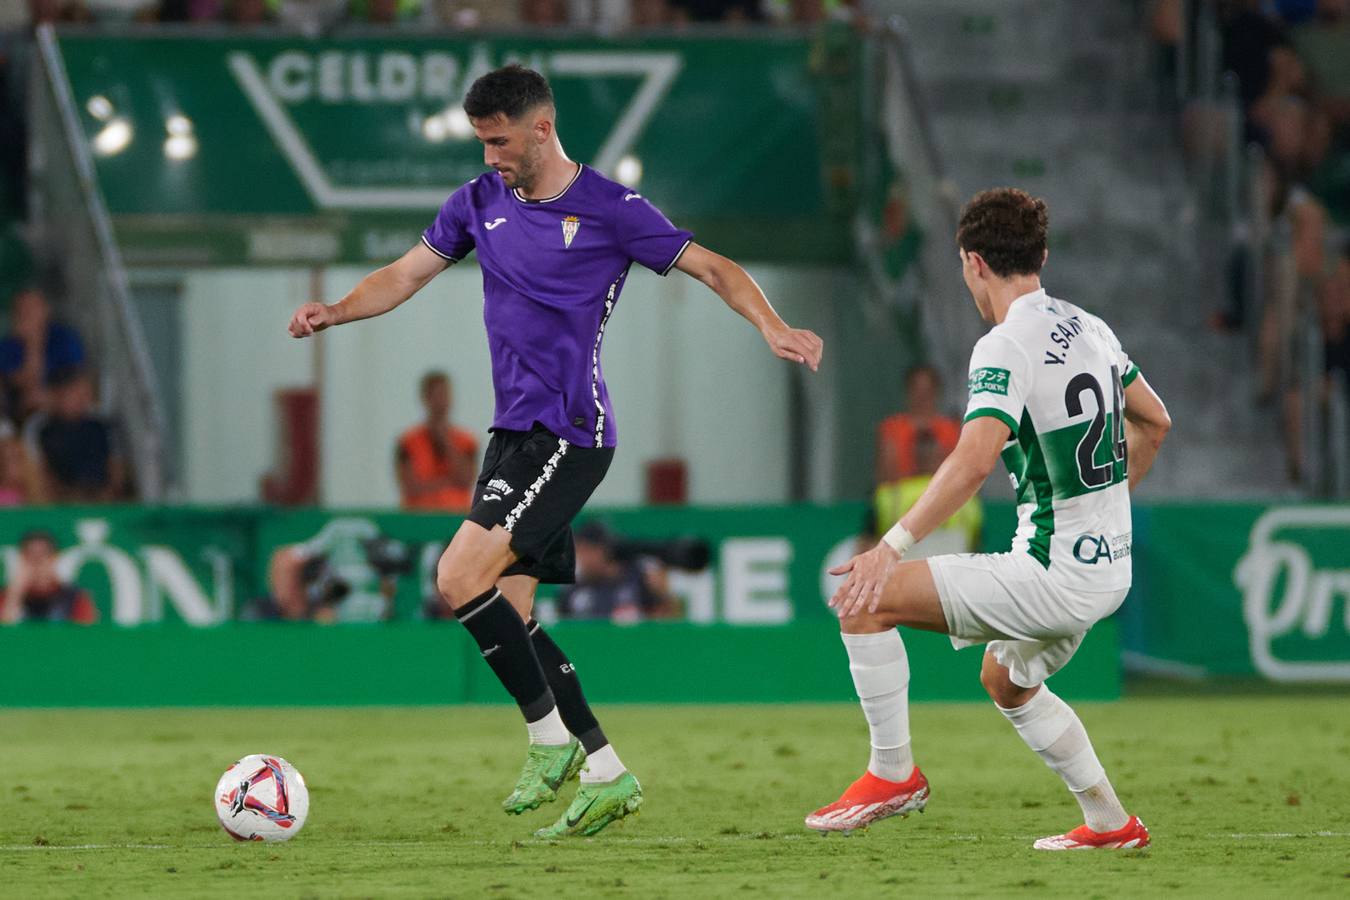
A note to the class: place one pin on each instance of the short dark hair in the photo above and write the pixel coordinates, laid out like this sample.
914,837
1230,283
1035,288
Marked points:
511,91
918,369
37,535
1007,227
431,378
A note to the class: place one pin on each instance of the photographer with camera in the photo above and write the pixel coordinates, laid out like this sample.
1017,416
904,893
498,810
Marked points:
348,572
36,591
625,580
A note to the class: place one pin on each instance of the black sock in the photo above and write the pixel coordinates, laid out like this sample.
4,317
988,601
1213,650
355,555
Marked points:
505,644
562,680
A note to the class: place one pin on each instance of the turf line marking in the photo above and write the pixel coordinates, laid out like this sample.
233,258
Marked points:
20,848
630,841
1285,834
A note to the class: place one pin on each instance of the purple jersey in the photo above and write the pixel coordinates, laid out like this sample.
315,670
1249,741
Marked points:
552,273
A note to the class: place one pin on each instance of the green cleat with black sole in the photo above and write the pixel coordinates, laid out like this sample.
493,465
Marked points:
547,768
596,806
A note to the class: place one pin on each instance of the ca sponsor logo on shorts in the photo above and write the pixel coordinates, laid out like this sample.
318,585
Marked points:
1095,548
499,486
1295,570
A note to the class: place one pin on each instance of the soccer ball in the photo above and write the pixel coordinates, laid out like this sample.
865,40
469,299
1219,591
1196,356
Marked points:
262,798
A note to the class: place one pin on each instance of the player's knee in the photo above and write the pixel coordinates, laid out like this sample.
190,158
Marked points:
1000,687
459,581
865,623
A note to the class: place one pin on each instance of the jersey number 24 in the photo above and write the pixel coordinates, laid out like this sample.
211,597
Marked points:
1089,472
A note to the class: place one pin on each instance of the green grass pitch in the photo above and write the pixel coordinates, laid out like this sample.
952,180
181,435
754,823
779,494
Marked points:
1245,796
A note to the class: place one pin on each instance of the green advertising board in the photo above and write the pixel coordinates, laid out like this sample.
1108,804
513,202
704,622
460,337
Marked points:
1241,589
1219,590
415,663
755,629
284,149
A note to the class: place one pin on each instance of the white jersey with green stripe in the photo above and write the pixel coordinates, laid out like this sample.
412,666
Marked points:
1056,376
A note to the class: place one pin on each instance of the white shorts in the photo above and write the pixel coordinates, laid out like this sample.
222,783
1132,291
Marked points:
1007,600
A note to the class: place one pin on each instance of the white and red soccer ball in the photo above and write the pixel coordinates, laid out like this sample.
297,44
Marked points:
262,798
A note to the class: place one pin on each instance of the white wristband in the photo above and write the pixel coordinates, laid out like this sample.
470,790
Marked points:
898,539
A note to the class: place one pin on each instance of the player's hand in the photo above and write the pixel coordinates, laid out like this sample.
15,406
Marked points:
797,345
311,319
867,575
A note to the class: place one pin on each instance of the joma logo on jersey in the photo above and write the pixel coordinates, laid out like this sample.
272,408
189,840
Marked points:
1289,601
989,380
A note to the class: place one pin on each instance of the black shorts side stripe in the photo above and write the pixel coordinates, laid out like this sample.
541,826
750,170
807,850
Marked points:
532,492
595,362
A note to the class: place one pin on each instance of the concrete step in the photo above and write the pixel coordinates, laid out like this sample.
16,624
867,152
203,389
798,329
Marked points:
1013,37
1056,97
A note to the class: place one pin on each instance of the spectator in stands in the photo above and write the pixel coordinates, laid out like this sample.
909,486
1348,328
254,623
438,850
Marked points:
467,15
36,593
607,587
891,500
35,349
544,12
77,450
910,447
384,12
191,10
20,480
898,435
1335,309
46,12
719,10
437,462
652,14
250,13
1296,263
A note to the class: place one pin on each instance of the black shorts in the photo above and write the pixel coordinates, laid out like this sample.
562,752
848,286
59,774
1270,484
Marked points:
533,484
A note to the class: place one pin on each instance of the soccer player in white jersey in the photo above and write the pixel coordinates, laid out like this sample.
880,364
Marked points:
1053,393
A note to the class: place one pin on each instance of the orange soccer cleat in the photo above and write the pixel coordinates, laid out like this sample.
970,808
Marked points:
1133,834
870,799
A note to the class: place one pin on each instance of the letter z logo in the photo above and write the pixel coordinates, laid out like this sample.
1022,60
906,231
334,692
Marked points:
494,223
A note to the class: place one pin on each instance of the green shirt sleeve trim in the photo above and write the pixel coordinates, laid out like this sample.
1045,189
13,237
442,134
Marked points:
994,413
1130,376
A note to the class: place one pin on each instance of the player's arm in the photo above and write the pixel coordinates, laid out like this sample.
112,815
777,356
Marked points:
958,478
739,291
375,295
956,481
1146,424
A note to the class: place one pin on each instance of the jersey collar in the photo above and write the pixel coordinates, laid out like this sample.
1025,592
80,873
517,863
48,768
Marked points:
1026,301
523,199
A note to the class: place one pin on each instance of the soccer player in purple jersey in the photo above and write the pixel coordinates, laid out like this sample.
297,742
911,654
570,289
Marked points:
555,240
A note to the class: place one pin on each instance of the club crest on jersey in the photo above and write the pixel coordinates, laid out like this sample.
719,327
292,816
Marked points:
570,226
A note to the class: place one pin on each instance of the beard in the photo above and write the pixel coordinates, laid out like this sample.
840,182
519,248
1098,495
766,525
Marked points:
526,171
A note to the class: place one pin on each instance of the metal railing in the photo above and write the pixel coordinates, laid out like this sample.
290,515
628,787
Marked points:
904,122
75,237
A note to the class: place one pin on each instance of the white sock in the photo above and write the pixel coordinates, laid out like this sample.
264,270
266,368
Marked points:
1055,732
1101,808
602,765
548,730
880,669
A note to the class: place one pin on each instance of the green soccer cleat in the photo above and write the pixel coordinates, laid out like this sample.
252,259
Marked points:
547,767
595,806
